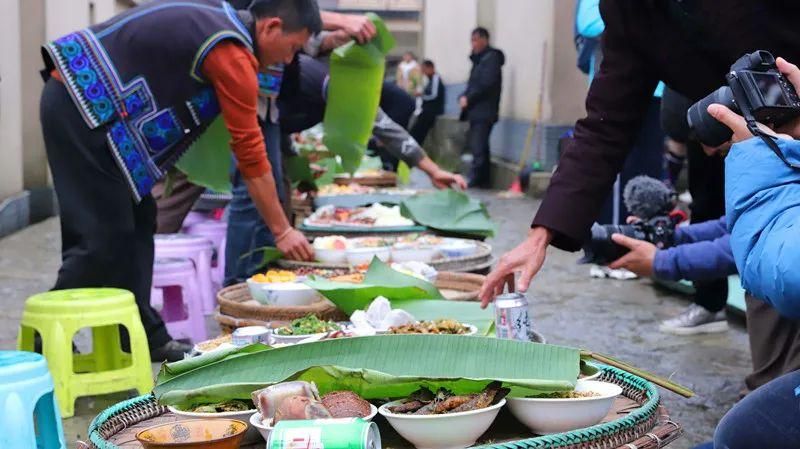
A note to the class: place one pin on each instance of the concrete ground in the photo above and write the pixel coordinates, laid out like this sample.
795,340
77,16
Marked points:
619,318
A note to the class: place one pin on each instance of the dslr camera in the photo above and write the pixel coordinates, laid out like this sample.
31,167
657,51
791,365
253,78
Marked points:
599,249
756,89
654,204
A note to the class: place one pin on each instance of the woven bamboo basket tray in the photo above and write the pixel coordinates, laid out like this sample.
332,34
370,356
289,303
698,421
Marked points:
235,301
636,421
478,263
385,179
238,309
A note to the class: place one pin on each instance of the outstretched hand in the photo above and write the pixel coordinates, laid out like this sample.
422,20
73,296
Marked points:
443,179
640,258
526,259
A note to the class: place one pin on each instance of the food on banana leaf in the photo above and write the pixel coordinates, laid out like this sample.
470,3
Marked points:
222,407
300,400
269,399
348,189
567,395
210,345
307,325
452,327
425,402
352,278
300,407
346,404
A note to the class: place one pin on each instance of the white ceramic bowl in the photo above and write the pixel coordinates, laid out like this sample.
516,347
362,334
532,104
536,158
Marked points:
283,293
331,256
257,291
362,256
255,423
407,253
454,248
545,416
249,438
293,339
448,431
265,431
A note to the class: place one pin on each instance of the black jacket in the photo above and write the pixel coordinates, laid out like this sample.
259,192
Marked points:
433,96
485,86
690,45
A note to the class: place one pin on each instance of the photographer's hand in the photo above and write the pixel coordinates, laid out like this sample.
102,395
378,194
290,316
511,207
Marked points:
639,260
792,72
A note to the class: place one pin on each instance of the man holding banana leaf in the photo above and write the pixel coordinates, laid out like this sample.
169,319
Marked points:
125,98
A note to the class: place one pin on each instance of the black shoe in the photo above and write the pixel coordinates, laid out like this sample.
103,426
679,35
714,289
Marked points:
172,351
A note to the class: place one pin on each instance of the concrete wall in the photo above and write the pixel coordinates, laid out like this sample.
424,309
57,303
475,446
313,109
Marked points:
446,32
11,178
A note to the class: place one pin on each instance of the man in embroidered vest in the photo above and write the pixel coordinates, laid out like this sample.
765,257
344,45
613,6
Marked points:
125,98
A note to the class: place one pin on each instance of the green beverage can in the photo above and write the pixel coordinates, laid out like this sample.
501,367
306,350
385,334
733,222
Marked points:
347,433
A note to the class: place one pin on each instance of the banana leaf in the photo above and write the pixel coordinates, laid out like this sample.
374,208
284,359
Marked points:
174,369
403,173
380,280
354,89
387,366
450,211
207,162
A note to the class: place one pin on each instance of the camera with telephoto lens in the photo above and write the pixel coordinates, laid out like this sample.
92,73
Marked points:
653,203
601,250
756,89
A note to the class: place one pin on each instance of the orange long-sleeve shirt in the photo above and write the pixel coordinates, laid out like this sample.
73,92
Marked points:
233,72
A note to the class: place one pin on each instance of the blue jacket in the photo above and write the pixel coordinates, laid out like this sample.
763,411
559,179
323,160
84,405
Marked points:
702,252
763,211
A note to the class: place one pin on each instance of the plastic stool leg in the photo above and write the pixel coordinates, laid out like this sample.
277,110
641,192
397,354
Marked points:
140,355
25,338
17,423
57,349
107,348
50,434
194,307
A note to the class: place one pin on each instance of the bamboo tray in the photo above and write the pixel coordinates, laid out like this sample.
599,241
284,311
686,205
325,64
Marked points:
636,421
479,263
238,309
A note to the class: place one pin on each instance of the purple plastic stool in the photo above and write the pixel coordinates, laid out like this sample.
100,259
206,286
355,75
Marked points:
197,249
182,309
216,231
192,218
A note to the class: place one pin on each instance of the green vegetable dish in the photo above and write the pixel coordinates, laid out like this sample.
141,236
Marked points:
227,406
307,325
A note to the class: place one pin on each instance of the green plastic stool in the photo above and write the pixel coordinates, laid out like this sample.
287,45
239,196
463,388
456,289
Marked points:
58,315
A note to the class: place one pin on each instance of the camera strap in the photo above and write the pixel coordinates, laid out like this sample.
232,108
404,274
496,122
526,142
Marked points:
768,139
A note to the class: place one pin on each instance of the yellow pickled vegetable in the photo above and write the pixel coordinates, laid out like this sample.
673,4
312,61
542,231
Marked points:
274,276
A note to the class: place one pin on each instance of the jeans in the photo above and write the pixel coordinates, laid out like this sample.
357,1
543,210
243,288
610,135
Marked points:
767,418
246,229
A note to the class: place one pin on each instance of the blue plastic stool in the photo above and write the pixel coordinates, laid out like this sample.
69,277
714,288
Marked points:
30,417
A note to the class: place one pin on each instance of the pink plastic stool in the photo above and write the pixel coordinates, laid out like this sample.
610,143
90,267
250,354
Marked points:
197,249
182,309
192,218
216,231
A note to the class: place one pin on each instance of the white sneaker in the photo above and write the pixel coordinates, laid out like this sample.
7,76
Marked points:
602,272
695,320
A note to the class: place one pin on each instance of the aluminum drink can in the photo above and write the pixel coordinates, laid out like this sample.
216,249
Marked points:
347,433
244,336
511,317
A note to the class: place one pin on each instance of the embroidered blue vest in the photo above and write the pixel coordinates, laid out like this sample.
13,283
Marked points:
138,76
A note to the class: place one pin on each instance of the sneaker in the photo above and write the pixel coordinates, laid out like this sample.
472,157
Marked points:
695,320
602,272
172,351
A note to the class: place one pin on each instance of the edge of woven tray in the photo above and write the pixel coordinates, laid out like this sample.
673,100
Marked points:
617,432
637,425
456,264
